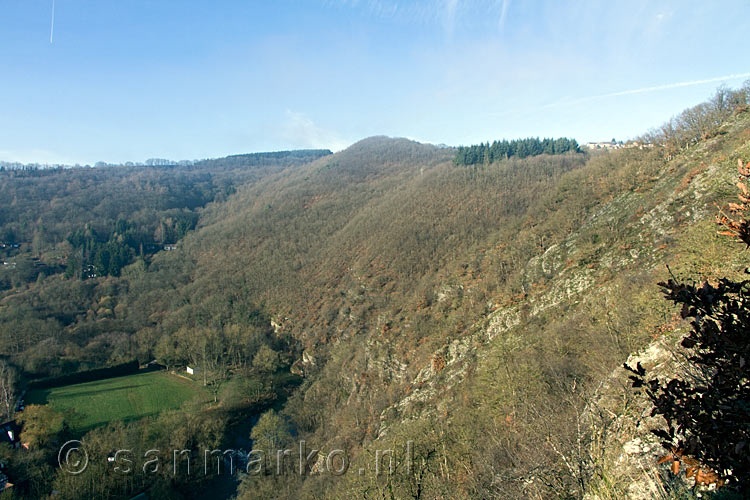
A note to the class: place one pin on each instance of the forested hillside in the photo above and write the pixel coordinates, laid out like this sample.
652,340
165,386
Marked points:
521,148
386,294
62,229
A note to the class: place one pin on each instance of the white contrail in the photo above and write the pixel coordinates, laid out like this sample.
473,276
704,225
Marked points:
580,100
673,85
52,23
503,13
643,90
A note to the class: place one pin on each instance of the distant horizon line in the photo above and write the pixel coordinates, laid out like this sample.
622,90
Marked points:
163,162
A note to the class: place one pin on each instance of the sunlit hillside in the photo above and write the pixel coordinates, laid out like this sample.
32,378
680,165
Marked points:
382,295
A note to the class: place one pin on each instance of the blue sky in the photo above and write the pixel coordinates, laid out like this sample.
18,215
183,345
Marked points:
128,80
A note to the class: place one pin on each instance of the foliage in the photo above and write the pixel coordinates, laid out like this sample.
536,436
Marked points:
86,376
701,121
8,382
270,434
472,310
266,359
147,457
244,392
707,411
521,148
66,230
41,424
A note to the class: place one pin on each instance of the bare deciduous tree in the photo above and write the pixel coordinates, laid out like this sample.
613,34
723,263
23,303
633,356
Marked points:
7,389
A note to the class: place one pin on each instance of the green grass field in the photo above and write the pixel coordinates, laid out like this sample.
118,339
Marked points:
131,397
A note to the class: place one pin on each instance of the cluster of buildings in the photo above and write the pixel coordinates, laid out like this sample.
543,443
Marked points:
613,144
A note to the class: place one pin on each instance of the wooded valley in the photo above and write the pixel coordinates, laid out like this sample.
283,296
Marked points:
477,302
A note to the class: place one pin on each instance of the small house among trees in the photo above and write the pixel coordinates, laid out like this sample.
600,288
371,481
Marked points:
9,433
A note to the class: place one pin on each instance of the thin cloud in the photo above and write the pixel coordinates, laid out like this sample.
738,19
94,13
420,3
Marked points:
52,22
673,85
300,131
642,90
503,13
450,14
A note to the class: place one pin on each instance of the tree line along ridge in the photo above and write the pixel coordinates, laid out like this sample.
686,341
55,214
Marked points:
520,148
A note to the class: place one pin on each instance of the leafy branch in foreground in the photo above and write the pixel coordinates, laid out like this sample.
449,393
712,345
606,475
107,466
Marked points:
707,411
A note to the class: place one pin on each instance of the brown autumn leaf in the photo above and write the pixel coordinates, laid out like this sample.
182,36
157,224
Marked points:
675,467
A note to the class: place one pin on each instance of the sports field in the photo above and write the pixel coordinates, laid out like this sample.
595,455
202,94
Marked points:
125,398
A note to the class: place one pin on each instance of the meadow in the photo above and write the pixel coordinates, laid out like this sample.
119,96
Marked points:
127,398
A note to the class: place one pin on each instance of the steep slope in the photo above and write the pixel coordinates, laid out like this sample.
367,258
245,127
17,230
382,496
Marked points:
468,318
499,409
365,262
344,232
446,305
66,234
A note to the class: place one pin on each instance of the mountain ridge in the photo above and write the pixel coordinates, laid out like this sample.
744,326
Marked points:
472,310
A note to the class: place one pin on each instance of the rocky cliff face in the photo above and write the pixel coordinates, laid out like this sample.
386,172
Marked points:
569,271
613,259
481,312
